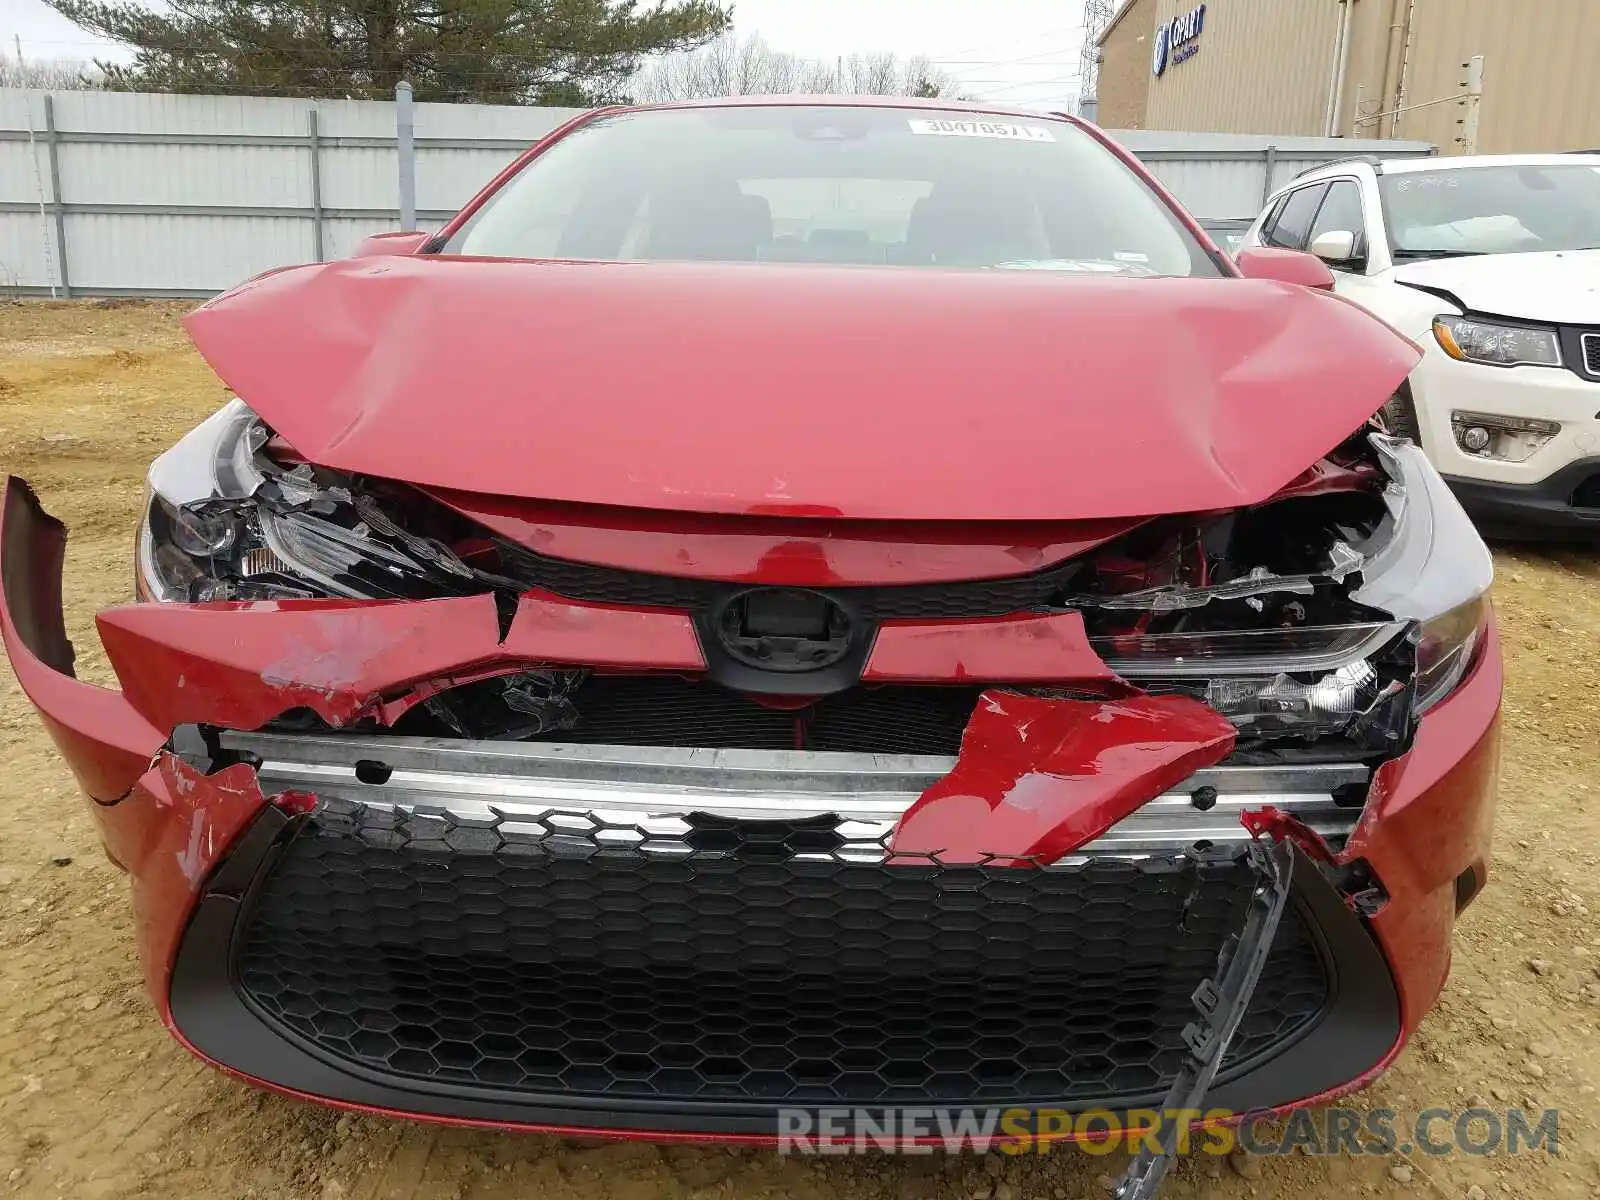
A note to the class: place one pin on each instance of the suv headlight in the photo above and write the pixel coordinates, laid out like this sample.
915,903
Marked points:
1495,343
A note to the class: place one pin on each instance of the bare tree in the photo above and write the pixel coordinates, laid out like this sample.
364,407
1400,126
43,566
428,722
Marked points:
733,66
49,74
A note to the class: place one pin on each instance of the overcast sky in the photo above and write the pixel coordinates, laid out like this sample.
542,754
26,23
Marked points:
1018,51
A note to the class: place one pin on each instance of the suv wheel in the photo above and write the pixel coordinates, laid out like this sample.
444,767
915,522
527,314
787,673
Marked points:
1399,416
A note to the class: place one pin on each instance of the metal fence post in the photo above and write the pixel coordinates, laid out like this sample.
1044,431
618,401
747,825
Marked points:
53,153
1472,102
313,136
1270,157
405,144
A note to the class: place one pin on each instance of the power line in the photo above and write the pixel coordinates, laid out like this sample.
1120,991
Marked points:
1007,62
1047,31
1027,83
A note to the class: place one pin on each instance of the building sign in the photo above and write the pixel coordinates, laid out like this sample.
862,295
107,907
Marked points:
1177,40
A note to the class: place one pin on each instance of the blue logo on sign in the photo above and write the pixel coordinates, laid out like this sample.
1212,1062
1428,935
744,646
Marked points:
1175,39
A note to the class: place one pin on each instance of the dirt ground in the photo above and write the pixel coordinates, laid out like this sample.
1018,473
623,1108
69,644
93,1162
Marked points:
96,1101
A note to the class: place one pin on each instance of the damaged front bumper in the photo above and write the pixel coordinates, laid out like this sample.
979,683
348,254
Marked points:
553,935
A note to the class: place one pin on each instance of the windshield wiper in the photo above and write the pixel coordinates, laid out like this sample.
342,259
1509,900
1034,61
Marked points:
1439,253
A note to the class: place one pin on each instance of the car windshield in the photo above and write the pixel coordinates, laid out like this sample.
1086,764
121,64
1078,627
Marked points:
834,184
1492,210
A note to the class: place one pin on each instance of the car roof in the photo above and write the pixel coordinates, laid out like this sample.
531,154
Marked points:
848,101
1398,166
1413,163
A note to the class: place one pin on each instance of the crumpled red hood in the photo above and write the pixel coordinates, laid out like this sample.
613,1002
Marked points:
808,391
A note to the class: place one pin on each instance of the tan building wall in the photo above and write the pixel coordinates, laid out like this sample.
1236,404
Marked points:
1541,87
1124,82
1267,66
1261,66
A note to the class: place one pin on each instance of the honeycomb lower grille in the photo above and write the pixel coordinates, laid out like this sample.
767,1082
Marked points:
568,956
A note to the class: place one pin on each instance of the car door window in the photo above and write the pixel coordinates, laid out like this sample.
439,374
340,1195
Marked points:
1293,225
1341,210
1269,221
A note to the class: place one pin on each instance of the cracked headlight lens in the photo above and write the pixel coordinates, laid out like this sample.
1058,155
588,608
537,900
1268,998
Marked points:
1433,569
1446,650
225,522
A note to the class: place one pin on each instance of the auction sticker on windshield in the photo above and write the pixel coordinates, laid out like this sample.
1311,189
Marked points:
1004,130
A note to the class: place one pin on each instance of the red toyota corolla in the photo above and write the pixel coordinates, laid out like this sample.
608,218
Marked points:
782,605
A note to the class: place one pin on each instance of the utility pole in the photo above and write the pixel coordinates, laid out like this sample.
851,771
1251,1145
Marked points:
1097,15
1471,101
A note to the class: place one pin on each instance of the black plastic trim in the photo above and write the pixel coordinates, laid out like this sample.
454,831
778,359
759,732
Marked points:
1354,1034
1531,508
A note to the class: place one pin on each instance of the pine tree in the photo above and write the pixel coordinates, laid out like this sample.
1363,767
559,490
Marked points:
576,52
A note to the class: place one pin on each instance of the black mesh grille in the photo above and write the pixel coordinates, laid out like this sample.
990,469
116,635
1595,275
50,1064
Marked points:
550,959
670,711
1591,352
610,585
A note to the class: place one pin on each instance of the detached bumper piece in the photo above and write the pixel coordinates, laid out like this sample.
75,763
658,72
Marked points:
1222,1004
589,971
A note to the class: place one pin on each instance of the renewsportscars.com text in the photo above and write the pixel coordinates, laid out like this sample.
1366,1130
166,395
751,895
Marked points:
1379,1131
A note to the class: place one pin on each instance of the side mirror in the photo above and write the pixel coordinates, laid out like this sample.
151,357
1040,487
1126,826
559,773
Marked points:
1334,246
406,241
1285,266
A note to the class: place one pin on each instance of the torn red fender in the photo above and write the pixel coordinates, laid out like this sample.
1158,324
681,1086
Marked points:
103,739
1041,649
241,664
170,833
1038,777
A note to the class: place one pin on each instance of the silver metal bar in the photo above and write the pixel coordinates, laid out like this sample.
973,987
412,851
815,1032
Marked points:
348,142
227,210
652,789
52,139
406,148
313,132
154,293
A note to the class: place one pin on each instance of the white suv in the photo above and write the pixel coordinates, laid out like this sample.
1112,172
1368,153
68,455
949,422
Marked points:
1492,265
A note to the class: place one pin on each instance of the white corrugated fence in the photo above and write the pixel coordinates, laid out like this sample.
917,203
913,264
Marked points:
123,193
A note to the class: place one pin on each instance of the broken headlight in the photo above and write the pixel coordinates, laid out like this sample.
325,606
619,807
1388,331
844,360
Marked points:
1382,627
226,522
1428,565
1300,683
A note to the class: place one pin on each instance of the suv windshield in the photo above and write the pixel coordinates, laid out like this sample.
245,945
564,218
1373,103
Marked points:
834,184
1492,210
